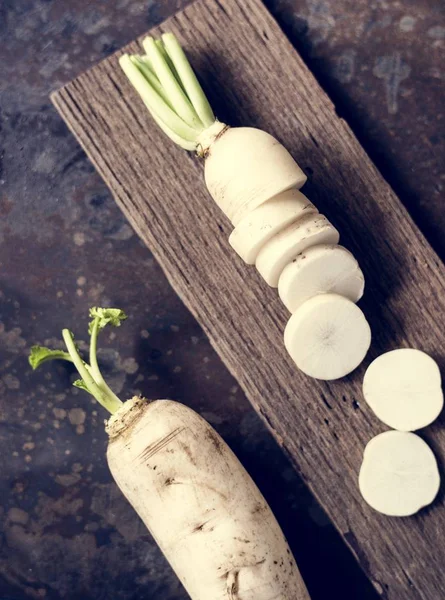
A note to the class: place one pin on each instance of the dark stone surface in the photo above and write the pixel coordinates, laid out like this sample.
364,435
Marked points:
66,532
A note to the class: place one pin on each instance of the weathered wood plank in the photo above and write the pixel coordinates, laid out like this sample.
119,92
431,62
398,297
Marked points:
256,78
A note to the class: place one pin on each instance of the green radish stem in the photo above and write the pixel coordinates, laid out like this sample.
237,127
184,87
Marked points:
181,104
169,88
189,79
92,380
146,70
160,45
95,371
171,122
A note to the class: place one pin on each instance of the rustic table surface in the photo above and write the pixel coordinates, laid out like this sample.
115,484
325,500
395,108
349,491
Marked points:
66,532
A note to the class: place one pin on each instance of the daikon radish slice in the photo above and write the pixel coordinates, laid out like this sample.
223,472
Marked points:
311,230
327,337
399,474
318,270
403,388
260,225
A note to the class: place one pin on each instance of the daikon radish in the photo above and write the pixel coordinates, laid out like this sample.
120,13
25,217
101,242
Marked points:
399,474
309,231
318,270
202,508
246,169
404,389
260,225
244,166
327,336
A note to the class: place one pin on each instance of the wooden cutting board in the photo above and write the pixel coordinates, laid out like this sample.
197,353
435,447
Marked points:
255,77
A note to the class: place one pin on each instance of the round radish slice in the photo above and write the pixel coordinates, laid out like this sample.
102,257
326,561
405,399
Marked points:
399,474
259,226
327,337
287,244
403,388
318,270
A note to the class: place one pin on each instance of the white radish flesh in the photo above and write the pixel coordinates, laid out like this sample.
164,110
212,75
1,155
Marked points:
260,225
399,474
318,270
203,509
403,387
327,337
288,243
246,167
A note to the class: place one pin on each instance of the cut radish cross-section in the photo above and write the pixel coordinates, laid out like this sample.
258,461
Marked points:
287,244
327,337
259,226
399,474
403,388
317,270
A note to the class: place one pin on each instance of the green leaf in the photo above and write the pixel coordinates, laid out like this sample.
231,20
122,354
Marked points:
40,354
106,316
80,383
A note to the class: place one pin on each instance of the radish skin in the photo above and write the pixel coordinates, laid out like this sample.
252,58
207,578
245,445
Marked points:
288,243
260,225
202,508
245,167
319,270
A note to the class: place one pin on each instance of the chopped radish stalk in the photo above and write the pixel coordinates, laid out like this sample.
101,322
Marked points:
403,388
245,167
318,270
259,226
287,244
399,474
327,337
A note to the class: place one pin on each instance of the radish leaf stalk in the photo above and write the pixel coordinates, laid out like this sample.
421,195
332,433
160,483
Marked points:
181,104
91,380
168,86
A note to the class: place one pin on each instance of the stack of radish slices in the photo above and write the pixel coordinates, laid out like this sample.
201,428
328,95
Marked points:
296,249
399,473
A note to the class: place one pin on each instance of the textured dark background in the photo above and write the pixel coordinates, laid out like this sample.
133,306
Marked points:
65,530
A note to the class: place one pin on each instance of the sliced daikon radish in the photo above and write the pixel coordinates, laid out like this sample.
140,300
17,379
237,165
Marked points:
399,474
288,243
245,167
403,388
327,337
318,270
259,226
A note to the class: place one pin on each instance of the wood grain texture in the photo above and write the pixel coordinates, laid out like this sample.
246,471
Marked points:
254,77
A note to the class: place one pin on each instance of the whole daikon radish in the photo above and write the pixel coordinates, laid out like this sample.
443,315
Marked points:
244,166
202,508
